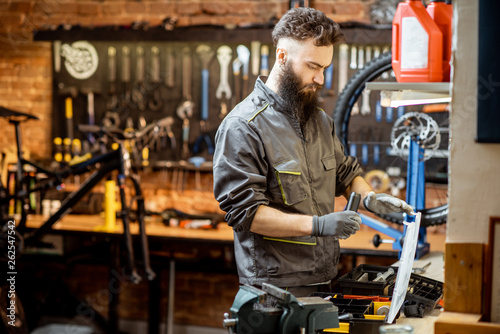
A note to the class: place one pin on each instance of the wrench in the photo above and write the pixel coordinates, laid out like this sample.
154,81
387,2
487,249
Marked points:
264,60
224,54
343,66
205,53
113,97
156,102
361,56
169,68
237,83
185,109
255,47
354,53
244,57
138,92
365,106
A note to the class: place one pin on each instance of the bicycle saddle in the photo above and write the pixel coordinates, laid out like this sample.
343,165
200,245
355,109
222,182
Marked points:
8,113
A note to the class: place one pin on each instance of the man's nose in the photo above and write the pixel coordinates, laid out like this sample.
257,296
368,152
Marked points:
319,78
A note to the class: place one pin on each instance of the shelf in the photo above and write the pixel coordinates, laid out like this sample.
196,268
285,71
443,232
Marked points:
395,94
209,33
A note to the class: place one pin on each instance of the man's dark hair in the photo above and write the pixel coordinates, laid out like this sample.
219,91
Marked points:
304,23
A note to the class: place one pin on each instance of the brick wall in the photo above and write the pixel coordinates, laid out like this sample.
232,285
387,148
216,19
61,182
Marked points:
25,66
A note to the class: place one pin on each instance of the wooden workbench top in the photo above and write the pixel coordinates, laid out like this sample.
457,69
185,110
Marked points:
94,223
91,223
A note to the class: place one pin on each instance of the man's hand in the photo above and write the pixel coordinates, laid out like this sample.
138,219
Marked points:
341,224
383,203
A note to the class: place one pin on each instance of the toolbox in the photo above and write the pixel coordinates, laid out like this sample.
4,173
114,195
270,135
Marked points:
353,283
423,294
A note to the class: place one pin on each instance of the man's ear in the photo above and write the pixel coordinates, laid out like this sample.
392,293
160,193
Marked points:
281,56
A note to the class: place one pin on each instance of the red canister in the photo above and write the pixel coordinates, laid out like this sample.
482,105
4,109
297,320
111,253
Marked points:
417,44
442,13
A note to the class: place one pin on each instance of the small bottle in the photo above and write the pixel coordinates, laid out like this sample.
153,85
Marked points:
442,13
417,44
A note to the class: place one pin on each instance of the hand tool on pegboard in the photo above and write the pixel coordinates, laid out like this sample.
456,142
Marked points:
205,53
185,109
224,55
366,101
169,121
354,56
244,57
57,55
139,92
69,93
112,89
361,56
264,60
237,81
169,67
126,77
119,96
156,102
343,66
255,55
90,94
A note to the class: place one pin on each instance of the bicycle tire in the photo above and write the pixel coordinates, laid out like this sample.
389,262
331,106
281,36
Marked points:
342,114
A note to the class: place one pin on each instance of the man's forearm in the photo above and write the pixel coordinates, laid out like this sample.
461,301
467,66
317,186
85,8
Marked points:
274,223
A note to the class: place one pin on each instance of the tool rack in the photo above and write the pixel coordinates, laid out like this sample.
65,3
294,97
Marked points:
175,39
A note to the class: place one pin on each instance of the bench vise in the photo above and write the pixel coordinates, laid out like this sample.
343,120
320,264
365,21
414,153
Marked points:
273,310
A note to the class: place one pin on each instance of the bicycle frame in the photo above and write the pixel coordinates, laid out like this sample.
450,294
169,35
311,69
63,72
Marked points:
415,194
102,165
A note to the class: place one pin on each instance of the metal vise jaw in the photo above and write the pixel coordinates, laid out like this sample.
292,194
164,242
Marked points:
273,310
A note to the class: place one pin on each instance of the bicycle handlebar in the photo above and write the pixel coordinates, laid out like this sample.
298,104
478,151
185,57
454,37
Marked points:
119,134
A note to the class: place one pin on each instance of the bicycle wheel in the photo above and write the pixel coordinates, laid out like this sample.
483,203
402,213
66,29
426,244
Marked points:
366,130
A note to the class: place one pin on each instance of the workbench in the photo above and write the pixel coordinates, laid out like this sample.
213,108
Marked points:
358,245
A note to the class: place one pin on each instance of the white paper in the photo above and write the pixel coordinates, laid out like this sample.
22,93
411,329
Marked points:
405,266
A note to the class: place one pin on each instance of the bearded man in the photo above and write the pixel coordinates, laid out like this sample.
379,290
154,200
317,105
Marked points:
278,167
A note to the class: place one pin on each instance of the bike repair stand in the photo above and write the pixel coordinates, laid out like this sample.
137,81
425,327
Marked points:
415,195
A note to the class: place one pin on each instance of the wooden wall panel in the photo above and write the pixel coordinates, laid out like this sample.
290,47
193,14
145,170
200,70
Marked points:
463,277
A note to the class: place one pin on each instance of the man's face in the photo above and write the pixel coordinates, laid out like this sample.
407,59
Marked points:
301,78
309,63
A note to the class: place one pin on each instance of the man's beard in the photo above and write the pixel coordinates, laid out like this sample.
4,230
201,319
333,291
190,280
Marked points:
303,102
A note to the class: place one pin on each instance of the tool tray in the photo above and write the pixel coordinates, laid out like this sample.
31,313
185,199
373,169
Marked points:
422,290
349,284
364,319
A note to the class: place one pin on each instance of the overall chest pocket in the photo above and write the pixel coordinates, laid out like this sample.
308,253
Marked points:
289,178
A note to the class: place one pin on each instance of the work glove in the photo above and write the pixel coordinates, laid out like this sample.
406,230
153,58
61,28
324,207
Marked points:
340,224
383,203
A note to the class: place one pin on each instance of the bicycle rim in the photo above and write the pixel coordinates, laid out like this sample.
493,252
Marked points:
346,128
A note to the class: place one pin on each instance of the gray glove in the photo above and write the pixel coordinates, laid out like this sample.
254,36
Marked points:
383,203
341,224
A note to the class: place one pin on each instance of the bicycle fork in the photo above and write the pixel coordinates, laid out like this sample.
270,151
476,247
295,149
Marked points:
141,213
135,277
